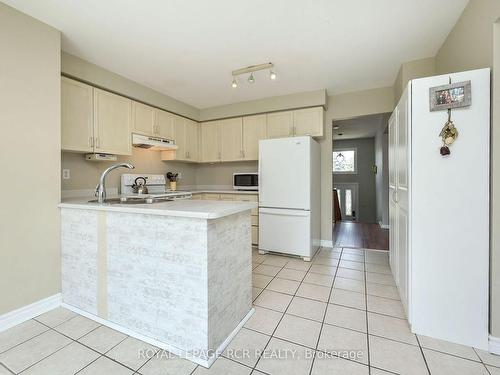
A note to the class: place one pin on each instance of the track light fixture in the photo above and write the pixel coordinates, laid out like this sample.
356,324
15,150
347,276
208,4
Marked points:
251,69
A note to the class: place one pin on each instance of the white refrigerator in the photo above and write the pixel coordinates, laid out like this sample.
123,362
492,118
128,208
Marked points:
289,196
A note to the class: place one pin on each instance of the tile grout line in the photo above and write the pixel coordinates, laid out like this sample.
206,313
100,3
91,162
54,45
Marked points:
423,355
326,310
103,354
88,347
18,344
284,312
366,316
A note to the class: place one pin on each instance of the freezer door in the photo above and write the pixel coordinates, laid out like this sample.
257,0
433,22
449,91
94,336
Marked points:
284,173
285,231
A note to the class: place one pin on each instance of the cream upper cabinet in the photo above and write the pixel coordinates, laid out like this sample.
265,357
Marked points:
210,141
280,124
179,137
192,131
143,119
308,121
164,124
254,129
230,139
77,123
112,123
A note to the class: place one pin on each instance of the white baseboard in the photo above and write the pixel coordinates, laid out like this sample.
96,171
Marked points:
383,226
494,345
28,312
326,243
162,345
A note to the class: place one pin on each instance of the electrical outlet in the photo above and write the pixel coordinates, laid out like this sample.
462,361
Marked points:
65,174
179,176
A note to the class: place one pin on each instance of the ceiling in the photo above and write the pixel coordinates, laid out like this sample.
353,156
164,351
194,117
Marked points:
360,127
187,48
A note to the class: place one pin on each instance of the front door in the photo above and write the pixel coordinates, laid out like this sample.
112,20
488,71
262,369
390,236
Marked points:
348,199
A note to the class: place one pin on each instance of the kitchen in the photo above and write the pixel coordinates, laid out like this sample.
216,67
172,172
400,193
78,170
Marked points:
99,127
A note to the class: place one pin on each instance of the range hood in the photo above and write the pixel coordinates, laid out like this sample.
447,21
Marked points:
153,143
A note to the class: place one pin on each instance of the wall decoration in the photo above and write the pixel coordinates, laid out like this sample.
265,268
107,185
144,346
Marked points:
449,134
453,95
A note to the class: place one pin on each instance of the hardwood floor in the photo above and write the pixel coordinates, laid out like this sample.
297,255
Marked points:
351,234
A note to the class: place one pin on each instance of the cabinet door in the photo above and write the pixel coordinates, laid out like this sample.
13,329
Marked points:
112,123
192,140
164,124
76,116
280,124
308,121
210,140
231,135
254,129
179,137
143,119
211,197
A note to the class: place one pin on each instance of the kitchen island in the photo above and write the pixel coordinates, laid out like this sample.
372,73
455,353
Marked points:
175,274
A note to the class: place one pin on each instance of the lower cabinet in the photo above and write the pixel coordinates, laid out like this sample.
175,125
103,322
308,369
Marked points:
236,197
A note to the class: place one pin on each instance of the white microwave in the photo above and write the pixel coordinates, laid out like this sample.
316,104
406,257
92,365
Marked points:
246,181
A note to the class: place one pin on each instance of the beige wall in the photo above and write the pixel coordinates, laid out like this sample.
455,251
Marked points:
30,122
85,174
222,174
95,75
411,70
472,44
276,103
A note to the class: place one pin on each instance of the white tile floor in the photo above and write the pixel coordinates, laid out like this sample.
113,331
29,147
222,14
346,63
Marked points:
343,302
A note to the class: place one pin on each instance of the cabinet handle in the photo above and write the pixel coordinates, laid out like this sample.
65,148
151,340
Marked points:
97,143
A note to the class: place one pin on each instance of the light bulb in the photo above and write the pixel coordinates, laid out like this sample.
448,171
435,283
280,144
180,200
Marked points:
272,75
234,84
251,79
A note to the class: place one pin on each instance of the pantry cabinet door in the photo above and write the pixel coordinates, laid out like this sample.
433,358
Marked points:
179,137
164,124
76,116
254,129
143,119
112,123
192,139
231,135
280,124
210,141
308,121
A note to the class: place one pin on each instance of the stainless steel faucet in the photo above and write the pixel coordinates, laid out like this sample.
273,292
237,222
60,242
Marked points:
100,190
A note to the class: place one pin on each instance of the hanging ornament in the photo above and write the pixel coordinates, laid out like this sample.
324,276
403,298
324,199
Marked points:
448,134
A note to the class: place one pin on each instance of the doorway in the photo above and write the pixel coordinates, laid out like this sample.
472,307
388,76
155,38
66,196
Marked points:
360,181
347,194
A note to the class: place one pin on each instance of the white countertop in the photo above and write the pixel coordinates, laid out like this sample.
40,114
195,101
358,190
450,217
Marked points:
181,208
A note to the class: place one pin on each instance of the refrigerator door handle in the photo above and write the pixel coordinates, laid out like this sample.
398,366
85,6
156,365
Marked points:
283,212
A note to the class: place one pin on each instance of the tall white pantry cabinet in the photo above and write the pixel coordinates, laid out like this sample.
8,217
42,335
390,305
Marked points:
439,211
